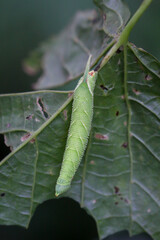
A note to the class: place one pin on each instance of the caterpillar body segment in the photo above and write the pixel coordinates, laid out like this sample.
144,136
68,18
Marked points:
81,119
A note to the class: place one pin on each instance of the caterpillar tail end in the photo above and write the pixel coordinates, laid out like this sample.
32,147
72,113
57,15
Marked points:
61,189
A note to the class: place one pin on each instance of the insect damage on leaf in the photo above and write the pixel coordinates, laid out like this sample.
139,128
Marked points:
42,108
101,136
2,194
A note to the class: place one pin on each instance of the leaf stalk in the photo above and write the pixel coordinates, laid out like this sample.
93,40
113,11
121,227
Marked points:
123,38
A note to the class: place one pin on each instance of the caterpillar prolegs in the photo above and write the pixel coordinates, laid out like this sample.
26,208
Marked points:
81,119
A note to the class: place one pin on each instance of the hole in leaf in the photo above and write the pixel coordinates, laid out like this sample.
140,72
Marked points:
4,150
125,145
2,194
117,113
52,214
42,108
103,87
119,50
116,189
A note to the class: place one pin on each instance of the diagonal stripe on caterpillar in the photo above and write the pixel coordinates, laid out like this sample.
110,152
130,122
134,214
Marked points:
79,130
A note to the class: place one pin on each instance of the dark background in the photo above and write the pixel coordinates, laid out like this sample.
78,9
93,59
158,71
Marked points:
23,25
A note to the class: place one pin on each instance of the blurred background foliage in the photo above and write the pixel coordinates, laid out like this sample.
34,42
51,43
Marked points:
23,25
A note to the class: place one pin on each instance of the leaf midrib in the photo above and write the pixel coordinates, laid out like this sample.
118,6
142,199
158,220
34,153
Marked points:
128,134
38,131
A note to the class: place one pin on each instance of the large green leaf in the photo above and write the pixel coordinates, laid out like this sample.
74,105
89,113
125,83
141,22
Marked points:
118,180
23,117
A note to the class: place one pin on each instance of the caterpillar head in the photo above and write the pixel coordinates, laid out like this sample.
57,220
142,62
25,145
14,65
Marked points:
91,80
90,77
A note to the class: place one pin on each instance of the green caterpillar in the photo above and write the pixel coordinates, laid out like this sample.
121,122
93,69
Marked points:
79,130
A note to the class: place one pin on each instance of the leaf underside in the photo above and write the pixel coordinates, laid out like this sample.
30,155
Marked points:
88,33
118,180
114,11
59,56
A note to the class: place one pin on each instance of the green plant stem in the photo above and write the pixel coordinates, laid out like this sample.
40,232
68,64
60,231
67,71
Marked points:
123,38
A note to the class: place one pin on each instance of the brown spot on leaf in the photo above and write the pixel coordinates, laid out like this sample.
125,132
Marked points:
116,203
101,136
136,91
104,17
125,145
25,137
33,140
65,114
29,117
116,189
126,200
148,77
92,162
125,123
123,97
70,94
